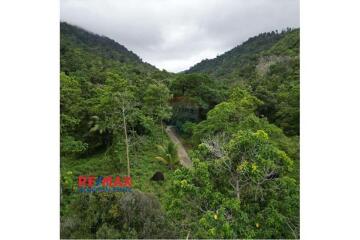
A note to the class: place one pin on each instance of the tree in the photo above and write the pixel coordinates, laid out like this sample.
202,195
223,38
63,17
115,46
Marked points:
237,113
252,159
245,192
228,115
194,96
156,102
168,155
115,105
70,110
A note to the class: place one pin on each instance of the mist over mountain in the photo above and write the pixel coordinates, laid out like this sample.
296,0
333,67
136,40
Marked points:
76,41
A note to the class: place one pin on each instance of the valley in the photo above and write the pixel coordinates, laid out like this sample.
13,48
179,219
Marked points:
216,132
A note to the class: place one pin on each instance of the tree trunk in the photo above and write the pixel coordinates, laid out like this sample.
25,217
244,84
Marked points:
170,166
126,141
237,189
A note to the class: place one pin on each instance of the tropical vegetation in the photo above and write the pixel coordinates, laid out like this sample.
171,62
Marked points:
237,116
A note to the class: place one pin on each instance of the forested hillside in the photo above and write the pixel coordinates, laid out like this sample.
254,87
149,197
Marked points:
237,116
268,66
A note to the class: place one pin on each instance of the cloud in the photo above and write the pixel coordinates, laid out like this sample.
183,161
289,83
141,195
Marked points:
176,34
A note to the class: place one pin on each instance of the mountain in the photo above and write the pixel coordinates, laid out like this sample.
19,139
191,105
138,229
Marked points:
77,45
239,61
268,66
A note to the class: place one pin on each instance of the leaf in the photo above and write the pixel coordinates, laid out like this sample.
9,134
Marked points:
162,159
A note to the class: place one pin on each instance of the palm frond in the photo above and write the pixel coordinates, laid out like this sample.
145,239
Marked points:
168,154
161,148
161,159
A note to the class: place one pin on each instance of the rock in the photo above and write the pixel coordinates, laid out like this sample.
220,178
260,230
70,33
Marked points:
158,176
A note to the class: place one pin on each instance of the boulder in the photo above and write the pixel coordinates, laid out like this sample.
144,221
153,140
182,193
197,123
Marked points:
158,176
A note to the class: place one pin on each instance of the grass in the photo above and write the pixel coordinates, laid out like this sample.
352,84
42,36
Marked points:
143,166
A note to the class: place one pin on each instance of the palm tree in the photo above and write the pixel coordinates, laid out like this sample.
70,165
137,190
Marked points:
168,155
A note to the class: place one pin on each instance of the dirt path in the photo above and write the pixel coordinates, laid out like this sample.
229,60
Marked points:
183,156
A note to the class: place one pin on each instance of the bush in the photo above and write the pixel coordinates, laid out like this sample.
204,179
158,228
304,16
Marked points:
116,215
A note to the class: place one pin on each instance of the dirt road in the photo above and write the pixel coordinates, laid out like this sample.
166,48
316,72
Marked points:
183,156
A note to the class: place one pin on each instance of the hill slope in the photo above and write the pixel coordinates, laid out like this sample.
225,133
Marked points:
238,62
77,44
268,66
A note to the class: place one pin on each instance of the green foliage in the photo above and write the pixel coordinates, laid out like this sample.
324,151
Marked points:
67,182
78,45
70,110
116,215
279,89
241,60
268,67
114,97
231,195
238,113
289,44
232,111
99,78
71,146
156,102
194,96
143,166
168,155
101,83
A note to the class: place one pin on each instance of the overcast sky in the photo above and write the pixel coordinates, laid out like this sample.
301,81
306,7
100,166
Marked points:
176,34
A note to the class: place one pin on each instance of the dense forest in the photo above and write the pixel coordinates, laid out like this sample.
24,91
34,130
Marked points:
237,117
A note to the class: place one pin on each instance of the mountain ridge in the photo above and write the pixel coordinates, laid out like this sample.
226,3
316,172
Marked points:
86,36
97,44
254,45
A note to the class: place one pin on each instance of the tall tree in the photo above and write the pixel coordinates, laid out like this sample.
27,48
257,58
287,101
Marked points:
156,102
115,105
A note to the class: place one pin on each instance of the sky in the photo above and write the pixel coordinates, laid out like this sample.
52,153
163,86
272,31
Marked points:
176,34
